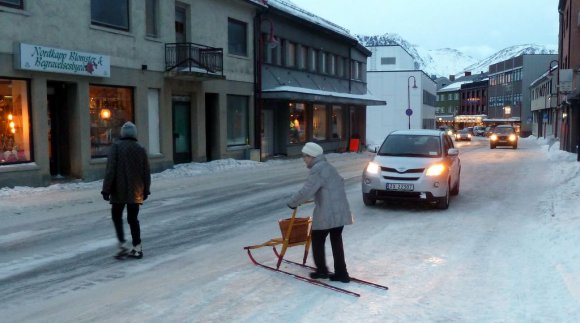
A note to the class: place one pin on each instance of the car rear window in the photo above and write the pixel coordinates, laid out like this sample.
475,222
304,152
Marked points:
411,146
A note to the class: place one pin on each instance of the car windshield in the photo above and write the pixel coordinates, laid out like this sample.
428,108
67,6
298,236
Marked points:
503,130
463,131
411,145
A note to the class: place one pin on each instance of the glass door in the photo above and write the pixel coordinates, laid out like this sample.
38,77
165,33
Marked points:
181,132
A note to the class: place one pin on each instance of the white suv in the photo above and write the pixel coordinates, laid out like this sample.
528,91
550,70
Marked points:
413,165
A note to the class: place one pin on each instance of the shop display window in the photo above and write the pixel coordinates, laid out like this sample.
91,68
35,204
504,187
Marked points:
337,122
110,108
238,116
15,126
297,123
319,122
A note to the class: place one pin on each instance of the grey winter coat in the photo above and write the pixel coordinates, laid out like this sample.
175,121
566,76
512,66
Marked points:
127,177
327,187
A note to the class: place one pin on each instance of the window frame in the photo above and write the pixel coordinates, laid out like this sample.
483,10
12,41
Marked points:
232,46
111,25
152,18
231,141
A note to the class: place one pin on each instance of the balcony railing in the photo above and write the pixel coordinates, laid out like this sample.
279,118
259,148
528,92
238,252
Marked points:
190,57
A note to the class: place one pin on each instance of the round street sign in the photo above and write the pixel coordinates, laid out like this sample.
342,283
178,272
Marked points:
409,112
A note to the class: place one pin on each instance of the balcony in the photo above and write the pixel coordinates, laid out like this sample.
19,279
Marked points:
193,61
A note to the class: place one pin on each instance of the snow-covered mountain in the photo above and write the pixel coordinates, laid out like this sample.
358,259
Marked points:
447,61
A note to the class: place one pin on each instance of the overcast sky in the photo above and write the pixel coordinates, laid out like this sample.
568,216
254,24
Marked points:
474,27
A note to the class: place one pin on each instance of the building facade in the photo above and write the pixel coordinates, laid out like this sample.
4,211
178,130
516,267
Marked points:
544,104
509,96
312,82
569,65
409,94
183,72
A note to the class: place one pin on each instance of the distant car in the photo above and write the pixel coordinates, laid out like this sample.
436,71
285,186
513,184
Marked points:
479,131
463,134
503,135
450,131
417,164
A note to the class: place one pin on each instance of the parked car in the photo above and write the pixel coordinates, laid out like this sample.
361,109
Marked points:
417,164
488,131
503,135
463,134
479,131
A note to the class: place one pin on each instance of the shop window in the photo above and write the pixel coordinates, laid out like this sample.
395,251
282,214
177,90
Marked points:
319,123
238,120
337,122
237,37
110,13
109,108
297,123
15,127
18,4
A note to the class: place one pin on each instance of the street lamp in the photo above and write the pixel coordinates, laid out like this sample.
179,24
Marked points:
409,112
549,76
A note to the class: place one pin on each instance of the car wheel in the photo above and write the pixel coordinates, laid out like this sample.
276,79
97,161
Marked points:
491,146
515,146
368,200
443,202
455,190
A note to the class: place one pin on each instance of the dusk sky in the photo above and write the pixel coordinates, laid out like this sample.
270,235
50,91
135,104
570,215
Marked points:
474,27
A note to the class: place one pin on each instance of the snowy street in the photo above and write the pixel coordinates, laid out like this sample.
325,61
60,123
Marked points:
506,250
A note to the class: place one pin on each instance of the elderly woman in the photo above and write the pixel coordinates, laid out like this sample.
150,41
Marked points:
331,213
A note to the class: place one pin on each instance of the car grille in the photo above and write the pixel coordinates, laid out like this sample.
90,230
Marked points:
398,195
408,171
396,174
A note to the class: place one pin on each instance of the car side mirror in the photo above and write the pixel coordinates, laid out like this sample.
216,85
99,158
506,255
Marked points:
453,152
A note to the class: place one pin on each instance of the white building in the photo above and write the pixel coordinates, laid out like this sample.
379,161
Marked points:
392,77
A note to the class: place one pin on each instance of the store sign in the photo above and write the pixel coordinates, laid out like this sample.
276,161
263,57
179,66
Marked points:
55,60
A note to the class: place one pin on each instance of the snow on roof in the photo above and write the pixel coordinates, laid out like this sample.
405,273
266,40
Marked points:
454,86
295,89
543,76
291,8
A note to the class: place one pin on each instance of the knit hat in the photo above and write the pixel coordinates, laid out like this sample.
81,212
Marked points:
129,130
312,149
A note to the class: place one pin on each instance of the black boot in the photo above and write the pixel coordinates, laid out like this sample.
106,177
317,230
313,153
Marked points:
343,278
318,275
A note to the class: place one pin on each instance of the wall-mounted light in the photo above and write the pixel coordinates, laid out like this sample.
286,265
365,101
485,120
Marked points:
564,115
105,114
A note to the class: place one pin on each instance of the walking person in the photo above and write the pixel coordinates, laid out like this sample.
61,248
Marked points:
127,182
331,211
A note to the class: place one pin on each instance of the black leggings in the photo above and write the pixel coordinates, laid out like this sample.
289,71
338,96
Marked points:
318,242
132,214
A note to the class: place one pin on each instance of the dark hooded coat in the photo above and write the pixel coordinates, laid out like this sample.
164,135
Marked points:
127,177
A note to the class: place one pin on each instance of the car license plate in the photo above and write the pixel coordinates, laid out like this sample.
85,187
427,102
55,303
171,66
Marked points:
400,187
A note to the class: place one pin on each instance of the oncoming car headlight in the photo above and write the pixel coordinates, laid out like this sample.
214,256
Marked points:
435,170
373,168
493,137
450,133
512,137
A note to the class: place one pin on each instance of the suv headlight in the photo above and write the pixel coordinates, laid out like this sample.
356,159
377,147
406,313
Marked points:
512,137
373,168
493,137
435,170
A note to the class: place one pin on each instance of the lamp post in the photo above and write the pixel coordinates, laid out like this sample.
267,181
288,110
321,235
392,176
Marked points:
409,111
549,77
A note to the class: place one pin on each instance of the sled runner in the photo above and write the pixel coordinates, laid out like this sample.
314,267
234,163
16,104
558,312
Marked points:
295,232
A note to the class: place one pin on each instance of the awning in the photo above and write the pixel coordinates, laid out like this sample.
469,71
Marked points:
303,94
512,119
